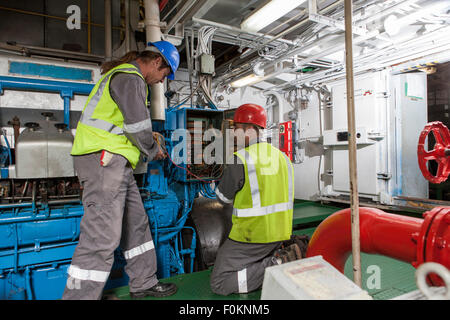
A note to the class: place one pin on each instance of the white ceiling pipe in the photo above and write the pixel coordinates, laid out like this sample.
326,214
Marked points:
237,30
180,13
153,34
331,50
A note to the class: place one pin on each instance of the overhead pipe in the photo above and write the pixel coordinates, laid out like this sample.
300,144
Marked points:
65,89
108,30
239,31
153,34
408,239
179,15
291,28
127,26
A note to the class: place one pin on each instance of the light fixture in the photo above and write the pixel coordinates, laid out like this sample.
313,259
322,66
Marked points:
247,80
269,13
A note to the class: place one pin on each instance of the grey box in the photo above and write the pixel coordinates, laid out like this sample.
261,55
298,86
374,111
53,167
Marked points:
44,152
309,279
207,64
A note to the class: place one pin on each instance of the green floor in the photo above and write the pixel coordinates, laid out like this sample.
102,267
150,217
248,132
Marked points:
396,277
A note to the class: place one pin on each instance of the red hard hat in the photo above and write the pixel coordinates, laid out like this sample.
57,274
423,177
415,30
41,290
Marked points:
251,113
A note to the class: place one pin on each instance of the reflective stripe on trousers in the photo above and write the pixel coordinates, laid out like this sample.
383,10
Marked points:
242,280
83,274
139,250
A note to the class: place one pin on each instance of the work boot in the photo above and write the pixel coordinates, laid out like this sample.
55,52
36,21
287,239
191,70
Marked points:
301,241
288,254
292,249
158,290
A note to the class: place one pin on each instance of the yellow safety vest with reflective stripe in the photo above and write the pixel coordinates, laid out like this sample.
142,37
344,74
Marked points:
101,124
263,208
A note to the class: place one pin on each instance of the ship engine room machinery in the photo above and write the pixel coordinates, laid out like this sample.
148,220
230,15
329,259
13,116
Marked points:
41,201
297,73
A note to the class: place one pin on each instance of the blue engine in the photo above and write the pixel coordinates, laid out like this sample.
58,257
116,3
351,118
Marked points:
40,216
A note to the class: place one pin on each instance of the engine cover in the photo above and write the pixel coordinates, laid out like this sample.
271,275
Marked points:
43,151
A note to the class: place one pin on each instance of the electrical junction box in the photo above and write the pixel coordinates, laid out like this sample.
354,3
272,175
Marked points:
309,279
207,64
286,138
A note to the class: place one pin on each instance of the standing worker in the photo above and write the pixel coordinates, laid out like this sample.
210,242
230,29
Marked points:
114,132
260,186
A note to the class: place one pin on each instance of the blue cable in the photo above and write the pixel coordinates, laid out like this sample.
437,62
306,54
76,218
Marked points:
8,146
207,191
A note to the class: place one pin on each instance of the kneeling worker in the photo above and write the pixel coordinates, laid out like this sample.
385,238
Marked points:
260,185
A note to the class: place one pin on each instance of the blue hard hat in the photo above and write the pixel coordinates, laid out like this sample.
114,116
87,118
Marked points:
170,55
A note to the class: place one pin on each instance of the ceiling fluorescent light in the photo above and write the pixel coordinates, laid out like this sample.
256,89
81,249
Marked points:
247,80
269,13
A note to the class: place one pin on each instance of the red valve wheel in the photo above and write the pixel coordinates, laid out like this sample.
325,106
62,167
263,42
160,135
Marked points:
440,153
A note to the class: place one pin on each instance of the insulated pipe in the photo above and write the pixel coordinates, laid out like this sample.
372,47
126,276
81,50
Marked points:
408,239
153,33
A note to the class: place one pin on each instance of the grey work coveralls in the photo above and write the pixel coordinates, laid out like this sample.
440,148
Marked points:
239,266
113,210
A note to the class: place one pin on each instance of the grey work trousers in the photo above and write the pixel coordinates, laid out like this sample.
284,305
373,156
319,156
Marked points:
113,215
239,266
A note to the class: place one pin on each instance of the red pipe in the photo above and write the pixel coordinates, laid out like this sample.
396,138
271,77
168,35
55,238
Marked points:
380,233
408,239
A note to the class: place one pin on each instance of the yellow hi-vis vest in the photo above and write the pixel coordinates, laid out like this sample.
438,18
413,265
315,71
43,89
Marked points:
262,209
101,124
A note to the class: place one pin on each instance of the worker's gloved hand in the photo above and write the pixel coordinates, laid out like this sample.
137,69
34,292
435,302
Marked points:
160,155
159,138
161,142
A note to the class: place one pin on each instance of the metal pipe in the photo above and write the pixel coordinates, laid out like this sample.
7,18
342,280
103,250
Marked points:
15,123
381,233
127,26
153,33
354,199
108,31
189,63
7,82
28,284
89,25
34,203
180,13
171,9
65,89
409,239
237,30
67,111
290,29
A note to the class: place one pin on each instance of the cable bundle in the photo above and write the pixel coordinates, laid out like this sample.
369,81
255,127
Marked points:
204,46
